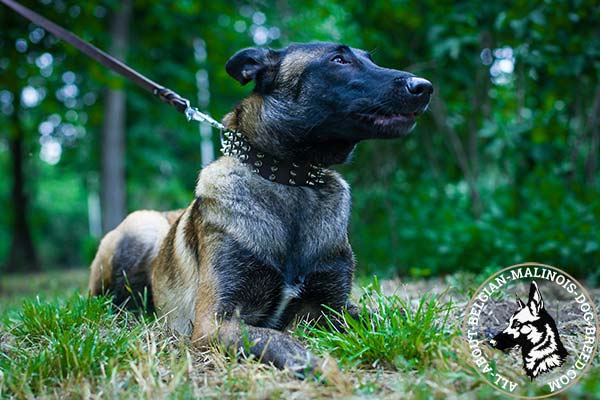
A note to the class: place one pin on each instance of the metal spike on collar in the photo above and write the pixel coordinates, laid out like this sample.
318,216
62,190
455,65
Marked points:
234,144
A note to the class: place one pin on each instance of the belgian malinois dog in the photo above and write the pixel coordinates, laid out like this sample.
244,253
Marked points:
534,330
265,239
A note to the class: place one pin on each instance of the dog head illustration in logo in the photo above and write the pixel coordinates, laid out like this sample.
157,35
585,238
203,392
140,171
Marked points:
532,328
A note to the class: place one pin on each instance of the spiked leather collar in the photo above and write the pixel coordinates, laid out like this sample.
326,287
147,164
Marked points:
291,173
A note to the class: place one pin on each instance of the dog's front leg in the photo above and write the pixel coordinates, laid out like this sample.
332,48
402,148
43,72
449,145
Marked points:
268,346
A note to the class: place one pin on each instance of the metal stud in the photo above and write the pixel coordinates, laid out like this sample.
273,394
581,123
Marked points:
272,177
260,155
292,182
274,168
310,183
275,161
244,157
292,172
255,170
295,165
258,163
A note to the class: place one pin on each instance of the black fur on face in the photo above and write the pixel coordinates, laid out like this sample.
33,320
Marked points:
316,101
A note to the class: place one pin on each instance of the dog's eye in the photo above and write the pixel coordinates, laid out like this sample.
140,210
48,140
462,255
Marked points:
339,60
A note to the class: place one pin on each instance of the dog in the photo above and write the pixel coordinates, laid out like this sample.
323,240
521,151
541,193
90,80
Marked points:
265,240
534,330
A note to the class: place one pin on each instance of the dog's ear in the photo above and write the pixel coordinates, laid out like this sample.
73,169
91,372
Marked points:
254,64
520,303
535,303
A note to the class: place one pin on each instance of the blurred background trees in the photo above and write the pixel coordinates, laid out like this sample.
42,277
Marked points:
502,169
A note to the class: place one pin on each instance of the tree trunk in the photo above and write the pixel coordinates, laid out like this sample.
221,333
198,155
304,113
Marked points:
113,130
207,150
440,117
594,126
22,257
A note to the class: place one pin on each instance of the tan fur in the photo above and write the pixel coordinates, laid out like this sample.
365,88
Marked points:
149,226
172,216
205,326
247,113
175,259
101,269
293,65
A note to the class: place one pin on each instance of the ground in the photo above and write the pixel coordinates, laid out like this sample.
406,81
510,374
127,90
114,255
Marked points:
55,342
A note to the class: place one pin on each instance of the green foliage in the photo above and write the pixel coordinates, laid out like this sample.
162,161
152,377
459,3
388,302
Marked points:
57,341
395,335
432,231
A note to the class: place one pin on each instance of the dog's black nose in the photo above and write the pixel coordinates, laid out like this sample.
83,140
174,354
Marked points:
419,86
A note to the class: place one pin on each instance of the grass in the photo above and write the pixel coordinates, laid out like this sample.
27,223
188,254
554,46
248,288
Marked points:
395,335
62,344
66,340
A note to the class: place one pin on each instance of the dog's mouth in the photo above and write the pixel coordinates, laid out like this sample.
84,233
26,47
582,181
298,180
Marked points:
388,119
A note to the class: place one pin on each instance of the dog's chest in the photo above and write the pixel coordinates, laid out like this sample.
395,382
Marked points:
279,244
289,293
296,236
288,227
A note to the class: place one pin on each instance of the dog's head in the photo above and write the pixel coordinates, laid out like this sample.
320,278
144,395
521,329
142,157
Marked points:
526,325
316,101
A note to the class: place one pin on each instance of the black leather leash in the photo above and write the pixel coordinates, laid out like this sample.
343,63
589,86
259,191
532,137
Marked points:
166,95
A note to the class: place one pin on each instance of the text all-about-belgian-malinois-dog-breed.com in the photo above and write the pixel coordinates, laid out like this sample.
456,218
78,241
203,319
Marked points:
265,239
